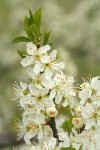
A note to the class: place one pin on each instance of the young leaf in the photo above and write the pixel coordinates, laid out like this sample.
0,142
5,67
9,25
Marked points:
46,38
22,53
20,39
37,17
33,32
32,25
31,19
29,33
26,23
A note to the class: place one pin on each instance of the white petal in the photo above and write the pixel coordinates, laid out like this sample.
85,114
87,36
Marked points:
59,66
53,55
37,68
52,94
44,91
98,121
48,74
40,118
40,133
42,67
30,135
39,107
44,49
33,90
83,101
57,78
48,83
89,123
65,103
58,98
23,85
31,73
22,102
64,137
35,148
27,61
45,59
96,84
76,146
88,111
50,103
83,95
27,140
31,48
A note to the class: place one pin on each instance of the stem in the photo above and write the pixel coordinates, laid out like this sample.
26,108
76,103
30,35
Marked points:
38,45
54,129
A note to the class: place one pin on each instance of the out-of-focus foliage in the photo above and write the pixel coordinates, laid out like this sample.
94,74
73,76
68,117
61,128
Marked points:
75,29
78,31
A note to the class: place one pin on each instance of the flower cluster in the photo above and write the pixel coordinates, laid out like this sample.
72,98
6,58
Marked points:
47,91
86,120
48,87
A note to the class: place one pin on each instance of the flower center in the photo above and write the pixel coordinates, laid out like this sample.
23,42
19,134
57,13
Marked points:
31,127
37,57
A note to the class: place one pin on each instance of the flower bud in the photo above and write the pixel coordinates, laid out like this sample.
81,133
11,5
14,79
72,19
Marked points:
77,122
51,111
78,112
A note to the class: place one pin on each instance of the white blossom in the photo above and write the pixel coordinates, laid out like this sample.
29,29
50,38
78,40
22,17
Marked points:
28,128
36,56
59,89
19,90
91,115
40,98
89,89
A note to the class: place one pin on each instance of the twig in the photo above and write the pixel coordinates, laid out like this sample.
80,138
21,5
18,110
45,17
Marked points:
54,129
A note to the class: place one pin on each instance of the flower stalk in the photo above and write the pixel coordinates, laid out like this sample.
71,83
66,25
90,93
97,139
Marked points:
54,129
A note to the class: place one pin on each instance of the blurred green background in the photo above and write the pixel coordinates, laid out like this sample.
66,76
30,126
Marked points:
75,26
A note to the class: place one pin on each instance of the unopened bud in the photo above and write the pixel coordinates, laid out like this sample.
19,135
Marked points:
78,112
51,111
77,122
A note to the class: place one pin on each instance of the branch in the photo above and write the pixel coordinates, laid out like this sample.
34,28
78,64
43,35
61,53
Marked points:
54,129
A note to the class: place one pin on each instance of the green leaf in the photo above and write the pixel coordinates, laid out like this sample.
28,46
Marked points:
70,148
67,124
33,32
64,148
29,33
20,39
22,53
37,17
46,38
26,23
31,19
32,25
